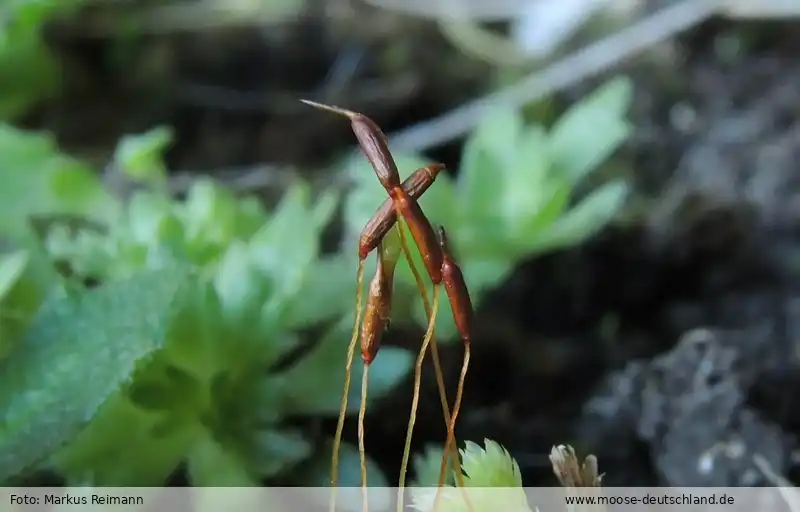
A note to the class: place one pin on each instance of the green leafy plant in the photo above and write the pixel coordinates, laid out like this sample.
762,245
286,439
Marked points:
47,389
153,369
39,180
513,198
487,467
487,470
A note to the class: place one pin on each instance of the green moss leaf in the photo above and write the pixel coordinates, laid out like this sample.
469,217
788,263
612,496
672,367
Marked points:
483,468
325,294
38,180
286,247
589,132
78,352
141,156
489,466
240,287
582,221
489,154
12,266
126,446
210,213
526,190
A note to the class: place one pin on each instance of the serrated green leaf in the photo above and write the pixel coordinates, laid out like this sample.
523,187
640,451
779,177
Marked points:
483,469
322,394
12,266
490,466
77,353
584,220
589,132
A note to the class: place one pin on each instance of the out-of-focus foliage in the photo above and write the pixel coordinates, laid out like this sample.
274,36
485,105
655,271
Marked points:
139,334
172,357
65,368
514,195
40,180
28,70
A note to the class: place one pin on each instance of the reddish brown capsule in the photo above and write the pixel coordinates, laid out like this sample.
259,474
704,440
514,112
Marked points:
376,148
372,141
421,231
385,217
378,310
456,289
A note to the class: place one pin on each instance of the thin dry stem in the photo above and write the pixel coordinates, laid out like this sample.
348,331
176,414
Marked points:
362,453
415,400
450,449
451,427
351,350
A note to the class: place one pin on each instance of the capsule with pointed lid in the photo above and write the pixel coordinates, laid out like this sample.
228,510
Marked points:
373,143
377,316
456,289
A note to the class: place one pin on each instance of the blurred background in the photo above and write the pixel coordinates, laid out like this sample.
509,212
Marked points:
620,189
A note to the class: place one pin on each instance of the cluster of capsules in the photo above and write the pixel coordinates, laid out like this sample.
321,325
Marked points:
378,235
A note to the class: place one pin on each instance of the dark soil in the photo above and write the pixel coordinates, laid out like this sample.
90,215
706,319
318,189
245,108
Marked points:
668,347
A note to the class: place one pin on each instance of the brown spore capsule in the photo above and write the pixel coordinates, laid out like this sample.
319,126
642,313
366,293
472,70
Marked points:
376,148
378,310
421,231
456,288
